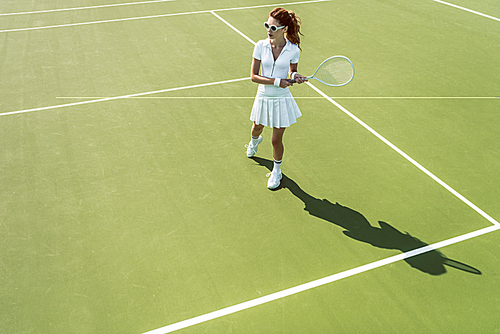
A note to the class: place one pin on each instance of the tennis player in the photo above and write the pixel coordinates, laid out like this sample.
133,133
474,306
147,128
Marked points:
274,59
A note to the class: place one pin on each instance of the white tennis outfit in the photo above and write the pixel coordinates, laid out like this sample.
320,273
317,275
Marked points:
275,106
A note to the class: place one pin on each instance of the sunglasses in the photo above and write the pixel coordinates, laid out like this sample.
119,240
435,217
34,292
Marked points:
272,27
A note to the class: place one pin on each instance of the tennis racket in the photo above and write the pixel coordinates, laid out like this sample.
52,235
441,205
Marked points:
335,71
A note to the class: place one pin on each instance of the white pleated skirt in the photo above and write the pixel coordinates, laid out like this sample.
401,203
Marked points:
274,107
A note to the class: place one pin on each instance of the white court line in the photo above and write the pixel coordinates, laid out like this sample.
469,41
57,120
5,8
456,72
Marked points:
158,16
317,283
407,157
468,10
90,7
300,97
120,97
232,27
416,97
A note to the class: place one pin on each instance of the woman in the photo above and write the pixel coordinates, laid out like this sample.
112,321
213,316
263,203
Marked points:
274,106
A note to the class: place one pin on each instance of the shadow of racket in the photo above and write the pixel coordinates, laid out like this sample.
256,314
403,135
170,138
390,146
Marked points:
461,266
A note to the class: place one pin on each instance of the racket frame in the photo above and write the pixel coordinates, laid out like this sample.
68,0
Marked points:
325,83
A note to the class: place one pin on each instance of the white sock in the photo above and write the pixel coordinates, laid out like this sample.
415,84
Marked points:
277,166
255,140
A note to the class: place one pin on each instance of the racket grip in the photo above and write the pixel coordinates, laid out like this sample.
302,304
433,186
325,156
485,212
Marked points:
293,80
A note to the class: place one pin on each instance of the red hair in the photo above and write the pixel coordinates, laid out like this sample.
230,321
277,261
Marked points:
289,19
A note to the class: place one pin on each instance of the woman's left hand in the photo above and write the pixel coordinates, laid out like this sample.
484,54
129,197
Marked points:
299,78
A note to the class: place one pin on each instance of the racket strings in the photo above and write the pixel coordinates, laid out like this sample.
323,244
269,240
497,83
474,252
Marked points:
336,71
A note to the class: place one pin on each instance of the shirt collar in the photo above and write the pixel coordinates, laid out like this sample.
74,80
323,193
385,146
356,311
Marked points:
287,47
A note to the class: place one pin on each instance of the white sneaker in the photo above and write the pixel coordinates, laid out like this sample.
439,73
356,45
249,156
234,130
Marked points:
252,149
274,180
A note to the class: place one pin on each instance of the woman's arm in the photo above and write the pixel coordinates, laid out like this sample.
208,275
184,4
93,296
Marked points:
257,78
298,78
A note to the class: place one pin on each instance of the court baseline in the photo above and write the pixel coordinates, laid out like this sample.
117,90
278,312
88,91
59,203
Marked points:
158,16
317,283
82,8
467,10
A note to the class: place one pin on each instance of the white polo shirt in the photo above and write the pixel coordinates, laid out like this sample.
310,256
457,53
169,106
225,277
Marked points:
279,68
275,69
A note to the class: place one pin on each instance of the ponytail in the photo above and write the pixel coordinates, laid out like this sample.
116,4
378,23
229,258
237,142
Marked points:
290,20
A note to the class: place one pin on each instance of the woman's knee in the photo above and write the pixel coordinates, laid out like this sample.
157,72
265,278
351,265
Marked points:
258,127
277,140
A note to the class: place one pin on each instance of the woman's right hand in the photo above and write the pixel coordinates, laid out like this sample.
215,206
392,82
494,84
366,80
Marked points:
285,83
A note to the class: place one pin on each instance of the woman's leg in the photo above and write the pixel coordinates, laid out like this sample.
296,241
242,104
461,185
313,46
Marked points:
278,149
277,141
253,146
257,130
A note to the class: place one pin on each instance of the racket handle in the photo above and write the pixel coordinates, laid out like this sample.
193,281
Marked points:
293,80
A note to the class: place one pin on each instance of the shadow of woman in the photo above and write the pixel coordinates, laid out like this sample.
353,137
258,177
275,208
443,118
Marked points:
357,227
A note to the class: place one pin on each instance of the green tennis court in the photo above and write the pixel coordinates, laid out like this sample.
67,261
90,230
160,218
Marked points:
128,205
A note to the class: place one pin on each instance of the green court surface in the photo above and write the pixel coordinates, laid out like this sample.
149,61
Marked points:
128,205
